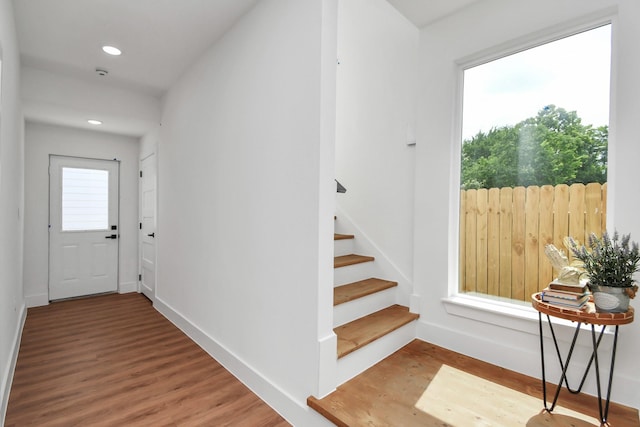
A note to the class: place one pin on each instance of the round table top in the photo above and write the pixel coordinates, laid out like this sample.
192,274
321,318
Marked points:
585,314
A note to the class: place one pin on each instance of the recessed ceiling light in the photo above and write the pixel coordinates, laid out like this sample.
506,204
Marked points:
111,50
94,122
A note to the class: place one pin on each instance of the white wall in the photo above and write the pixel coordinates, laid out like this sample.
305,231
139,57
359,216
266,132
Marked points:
12,308
507,341
149,143
41,140
246,197
378,54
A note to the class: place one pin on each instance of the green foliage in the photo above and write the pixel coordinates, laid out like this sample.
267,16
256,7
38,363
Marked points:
552,148
608,261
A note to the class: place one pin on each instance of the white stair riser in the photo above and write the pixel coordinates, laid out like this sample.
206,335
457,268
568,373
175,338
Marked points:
353,273
342,247
360,360
339,228
352,310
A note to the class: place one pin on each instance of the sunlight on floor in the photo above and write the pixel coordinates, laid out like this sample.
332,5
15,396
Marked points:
462,399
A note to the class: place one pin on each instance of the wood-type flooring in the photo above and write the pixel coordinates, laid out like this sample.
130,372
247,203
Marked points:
424,385
113,360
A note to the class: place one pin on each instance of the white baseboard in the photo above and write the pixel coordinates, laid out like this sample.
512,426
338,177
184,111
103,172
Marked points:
7,374
294,411
127,287
148,292
37,300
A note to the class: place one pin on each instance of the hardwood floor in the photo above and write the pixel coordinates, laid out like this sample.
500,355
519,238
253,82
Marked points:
428,386
114,361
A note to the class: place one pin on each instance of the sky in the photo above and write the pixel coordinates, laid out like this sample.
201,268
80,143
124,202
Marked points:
571,73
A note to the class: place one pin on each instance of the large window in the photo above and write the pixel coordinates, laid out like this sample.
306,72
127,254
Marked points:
533,161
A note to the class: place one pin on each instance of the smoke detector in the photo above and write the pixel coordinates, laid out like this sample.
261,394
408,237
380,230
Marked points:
101,72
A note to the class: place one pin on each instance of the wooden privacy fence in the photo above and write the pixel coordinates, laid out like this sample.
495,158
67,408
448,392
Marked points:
503,232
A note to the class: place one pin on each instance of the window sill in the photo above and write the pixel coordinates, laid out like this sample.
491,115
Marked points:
518,317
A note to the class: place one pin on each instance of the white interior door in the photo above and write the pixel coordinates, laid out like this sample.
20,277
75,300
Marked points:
83,226
148,226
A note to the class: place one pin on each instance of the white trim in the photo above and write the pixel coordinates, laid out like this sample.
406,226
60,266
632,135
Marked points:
110,282
382,261
7,376
146,290
486,309
539,38
612,144
328,367
295,412
504,354
522,318
126,287
37,300
494,312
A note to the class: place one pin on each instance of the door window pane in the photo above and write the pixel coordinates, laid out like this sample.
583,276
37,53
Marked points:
85,199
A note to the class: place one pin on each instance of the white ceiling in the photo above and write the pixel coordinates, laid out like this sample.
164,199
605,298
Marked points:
160,39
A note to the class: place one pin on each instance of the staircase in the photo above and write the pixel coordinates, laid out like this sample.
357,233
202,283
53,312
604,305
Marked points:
367,320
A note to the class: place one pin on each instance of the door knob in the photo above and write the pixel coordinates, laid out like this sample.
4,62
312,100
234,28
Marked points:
152,234
113,236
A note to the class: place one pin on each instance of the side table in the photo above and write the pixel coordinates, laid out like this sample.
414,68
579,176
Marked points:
586,315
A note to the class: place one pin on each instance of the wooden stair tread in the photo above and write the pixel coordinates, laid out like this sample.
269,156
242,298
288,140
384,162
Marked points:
344,260
355,290
365,330
338,236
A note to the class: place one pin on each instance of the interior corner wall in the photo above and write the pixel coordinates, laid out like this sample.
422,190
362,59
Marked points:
41,140
375,124
12,308
238,239
484,26
148,143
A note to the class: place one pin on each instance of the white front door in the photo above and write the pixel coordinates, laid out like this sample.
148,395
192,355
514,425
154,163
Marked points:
148,226
83,226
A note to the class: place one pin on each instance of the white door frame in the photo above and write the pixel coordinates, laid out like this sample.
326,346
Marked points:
82,262
147,285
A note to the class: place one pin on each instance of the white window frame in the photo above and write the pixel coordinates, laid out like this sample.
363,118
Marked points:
69,226
511,314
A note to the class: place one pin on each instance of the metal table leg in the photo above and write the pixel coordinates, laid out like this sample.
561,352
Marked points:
604,415
565,365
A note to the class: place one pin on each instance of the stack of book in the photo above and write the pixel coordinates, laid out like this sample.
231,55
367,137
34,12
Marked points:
562,294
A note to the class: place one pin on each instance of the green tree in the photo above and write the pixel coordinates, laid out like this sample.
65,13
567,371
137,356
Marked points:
552,148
